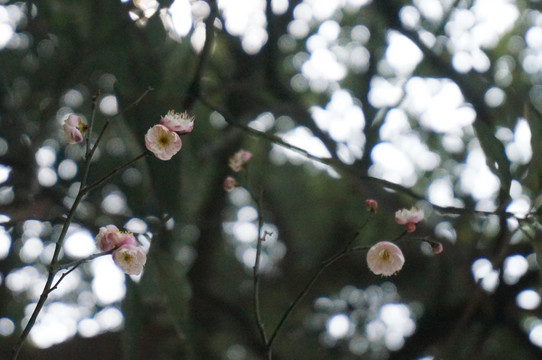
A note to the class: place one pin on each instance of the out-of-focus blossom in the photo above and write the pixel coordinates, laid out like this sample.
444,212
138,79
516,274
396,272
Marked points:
110,237
409,218
436,247
178,122
74,129
230,183
162,142
131,259
371,205
107,237
385,258
239,160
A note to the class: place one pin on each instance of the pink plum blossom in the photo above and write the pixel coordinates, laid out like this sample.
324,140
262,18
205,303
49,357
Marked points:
371,205
110,237
230,183
239,160
74,129
385,258
131,259
178,122
162,142
409,218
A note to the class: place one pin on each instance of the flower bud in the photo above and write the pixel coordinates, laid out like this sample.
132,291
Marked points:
74,129
371,205
409,218
239,160
230,183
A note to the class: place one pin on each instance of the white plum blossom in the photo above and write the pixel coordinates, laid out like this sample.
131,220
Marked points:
409,217
239,160
178,122
74,129
131,259
385,258
162,142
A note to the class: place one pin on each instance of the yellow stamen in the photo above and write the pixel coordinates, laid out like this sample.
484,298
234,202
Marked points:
163,140
384,255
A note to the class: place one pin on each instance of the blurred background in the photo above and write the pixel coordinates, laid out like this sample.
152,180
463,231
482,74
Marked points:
433,103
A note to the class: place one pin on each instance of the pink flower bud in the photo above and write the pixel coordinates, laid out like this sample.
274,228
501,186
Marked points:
371,205
436,247
109,237
126,239
178,122
74,129
131,259
162,142
239,160
230,183
385,258
410,227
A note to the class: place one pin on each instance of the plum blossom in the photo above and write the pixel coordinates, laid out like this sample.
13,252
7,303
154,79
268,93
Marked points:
371,205
131,259
239,160
126,253
230,183
385,258
110,237
162,142
409,217
178,122
74,129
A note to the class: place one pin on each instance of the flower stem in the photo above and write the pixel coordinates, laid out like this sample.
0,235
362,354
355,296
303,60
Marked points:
256,272
113,172
51,275
83,190
324,265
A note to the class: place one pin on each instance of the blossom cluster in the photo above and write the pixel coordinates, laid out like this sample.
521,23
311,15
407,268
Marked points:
386,258
163,139
130,257
237,162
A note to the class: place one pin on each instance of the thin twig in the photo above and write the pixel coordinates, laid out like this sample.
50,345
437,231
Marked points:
78,262
83,190
346,169
262,234
194,89
113,172
91,124
50,277
106,124
256,276
75,264
306,289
